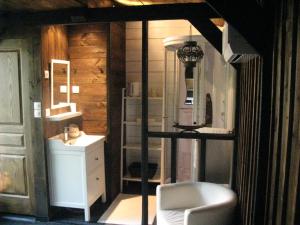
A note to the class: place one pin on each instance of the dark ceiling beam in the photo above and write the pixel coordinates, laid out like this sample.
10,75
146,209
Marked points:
100,3
3,18
247,17
209,30
2,25
128,13
82,2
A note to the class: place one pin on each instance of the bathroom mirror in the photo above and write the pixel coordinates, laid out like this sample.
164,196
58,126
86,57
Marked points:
60,83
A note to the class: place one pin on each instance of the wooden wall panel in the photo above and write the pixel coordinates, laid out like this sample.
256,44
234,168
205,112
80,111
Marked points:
268,157
248,137
54,45
88,57
283,182
93,51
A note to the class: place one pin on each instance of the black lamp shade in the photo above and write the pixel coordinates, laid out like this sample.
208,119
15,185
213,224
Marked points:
190,53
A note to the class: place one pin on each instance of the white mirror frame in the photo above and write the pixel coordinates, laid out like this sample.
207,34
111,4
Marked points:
58,61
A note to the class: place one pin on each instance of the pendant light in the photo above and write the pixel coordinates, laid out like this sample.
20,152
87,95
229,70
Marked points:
190,53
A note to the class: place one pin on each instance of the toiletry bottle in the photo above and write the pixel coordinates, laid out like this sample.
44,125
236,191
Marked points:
66,129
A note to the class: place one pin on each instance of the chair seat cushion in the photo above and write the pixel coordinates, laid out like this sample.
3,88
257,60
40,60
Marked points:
170,217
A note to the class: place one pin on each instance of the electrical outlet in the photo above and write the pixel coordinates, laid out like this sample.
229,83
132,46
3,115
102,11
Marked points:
75,89
37,113
63,89
46,73
37,105
47,112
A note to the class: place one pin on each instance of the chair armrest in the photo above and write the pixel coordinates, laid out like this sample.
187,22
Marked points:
176,196
212,214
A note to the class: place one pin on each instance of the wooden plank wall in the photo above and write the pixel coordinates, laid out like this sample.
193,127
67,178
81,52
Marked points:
283,182
248,137
54,45
267,181
94,51
88,58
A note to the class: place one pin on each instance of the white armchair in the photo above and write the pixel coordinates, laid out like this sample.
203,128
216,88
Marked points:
194,203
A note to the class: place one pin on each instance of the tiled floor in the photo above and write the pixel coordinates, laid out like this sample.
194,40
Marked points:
62,216
28,223
67,216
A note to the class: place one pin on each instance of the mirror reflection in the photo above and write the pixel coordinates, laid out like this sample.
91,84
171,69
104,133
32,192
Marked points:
60,83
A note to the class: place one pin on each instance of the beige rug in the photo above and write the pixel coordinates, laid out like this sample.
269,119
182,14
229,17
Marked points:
127,210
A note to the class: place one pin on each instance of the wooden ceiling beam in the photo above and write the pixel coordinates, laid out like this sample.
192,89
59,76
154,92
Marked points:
83,2
209,30
151,2
247,17
3,23
34,6
128,13
99,3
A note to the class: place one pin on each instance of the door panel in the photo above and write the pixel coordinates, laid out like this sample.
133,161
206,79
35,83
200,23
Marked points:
10,106
16,152
14,174
11,139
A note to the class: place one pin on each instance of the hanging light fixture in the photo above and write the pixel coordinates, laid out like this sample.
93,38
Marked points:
190,53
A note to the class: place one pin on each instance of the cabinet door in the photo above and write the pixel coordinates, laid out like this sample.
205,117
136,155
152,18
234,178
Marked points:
67,179
95,183
16,151
94,158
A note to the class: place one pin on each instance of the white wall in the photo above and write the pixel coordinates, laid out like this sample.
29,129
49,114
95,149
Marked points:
158,30
220,83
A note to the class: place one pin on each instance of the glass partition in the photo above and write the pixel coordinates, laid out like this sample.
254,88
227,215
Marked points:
208,98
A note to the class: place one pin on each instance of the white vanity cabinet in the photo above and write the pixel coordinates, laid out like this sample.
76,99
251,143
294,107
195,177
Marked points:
76,172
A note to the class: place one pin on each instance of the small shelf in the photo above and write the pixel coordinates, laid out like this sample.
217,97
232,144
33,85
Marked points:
135,123
155,179
139,98
135,146
63,116
131,147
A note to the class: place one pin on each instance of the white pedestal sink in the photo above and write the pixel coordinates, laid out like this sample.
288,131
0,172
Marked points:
76,171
